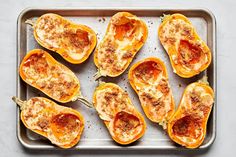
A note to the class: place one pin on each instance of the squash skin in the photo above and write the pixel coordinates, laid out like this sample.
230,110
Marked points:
133,112
171,50
66,110
164,120
133,49
61,50
76,91
200,122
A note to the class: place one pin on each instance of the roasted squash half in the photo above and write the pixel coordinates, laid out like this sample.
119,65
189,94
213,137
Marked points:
74,42
125,35
188,53
187,126
115,108
149,79
40,70
63,126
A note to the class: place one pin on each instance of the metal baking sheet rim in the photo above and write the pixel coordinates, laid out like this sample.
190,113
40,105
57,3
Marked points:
164,9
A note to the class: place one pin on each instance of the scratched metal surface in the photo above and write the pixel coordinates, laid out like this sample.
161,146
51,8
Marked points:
95,135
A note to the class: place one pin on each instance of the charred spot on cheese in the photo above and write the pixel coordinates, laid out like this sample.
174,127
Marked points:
126,126
52,78
187,127
125,35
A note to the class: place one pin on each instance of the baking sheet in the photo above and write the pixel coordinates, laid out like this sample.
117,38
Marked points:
95,135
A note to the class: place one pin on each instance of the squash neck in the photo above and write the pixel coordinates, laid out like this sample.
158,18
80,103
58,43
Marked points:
19,102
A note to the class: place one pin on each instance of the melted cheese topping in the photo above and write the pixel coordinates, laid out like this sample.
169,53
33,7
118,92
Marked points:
179,35
55,80
58,34
114,107
118,46
154,91
196,106
59,123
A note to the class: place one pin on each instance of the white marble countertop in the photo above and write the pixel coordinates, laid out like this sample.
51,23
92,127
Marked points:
224,11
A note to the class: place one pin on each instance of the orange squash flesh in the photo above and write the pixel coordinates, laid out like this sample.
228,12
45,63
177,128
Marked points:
63,126
149,79
41,71
189,55
115,108
74,42
125,35
187,126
